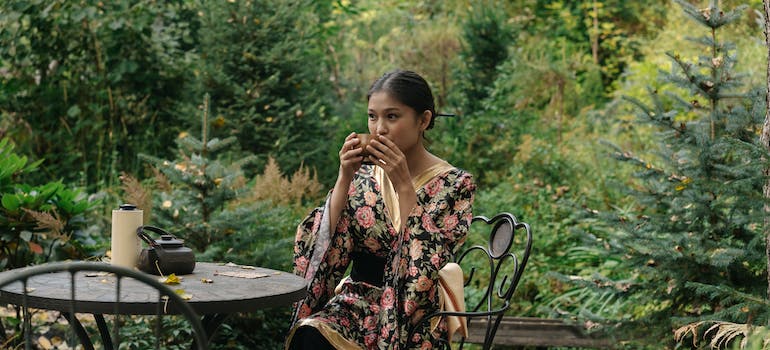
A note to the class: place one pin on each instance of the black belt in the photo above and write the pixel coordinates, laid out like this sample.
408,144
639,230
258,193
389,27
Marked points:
368,268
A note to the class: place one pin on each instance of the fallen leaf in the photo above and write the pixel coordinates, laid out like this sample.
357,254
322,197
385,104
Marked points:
207,280
183,295
170,279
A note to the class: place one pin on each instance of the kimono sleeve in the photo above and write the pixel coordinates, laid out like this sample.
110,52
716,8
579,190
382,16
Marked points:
436,231
320,257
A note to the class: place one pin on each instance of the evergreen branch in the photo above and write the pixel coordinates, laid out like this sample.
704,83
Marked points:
712,16
702,84
723,292
250,159
215,144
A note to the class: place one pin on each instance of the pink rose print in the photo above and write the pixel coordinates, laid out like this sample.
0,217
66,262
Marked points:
426,345
334,256
415,249
410,307
374,308
317,289
345,322
384,331
467,183
365,217
316,221
428,224
351,189
342,224
435,260
462,205
423,284
434,187
370,198
304,311
370,341
372,244
450,222
370,323
302,265
388,298
413,271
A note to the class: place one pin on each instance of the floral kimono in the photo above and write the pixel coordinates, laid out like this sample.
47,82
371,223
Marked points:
360,315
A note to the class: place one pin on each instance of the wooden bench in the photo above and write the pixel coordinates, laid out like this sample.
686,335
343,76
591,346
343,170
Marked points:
530,331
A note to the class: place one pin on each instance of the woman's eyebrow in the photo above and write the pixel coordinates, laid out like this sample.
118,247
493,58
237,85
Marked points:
389,109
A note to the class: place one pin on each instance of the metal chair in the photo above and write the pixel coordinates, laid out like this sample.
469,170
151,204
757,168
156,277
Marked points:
494,272
20,285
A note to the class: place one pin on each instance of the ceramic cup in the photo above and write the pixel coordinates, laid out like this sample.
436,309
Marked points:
365,139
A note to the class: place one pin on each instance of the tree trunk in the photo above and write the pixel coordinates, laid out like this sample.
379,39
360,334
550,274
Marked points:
765,139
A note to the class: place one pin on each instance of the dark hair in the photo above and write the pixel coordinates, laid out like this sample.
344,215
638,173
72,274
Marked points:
408,88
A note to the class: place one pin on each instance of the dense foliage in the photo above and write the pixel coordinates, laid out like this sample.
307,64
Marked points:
39,223
536,86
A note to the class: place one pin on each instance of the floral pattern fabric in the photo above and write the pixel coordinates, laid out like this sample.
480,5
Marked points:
380,317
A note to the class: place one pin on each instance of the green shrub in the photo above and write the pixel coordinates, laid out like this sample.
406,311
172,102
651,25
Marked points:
39,223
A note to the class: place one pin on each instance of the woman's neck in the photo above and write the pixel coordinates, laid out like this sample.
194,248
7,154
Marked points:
419,160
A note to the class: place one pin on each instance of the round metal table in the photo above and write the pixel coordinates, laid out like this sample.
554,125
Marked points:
215,291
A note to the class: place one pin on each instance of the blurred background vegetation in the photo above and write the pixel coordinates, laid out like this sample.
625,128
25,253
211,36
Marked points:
223,119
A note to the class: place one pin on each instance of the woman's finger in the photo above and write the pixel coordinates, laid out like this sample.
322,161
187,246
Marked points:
384,149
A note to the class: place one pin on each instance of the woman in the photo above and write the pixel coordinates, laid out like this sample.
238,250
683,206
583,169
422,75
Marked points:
398,221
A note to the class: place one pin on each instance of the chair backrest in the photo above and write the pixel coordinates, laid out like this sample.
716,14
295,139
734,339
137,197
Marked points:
496,270
21,282
492,273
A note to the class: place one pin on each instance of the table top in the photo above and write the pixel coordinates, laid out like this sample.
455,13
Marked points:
211,288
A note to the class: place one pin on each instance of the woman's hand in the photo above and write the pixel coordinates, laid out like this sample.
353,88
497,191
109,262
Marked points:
386,154
350,156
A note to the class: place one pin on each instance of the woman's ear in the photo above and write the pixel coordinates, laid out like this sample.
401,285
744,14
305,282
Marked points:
425,120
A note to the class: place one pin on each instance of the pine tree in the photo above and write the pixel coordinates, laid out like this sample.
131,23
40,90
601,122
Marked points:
263,63
197,188
692,249
487,39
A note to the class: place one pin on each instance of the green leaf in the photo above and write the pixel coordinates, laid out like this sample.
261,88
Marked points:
11,202
73,111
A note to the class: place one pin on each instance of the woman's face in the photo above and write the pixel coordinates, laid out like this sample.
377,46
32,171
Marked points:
396,121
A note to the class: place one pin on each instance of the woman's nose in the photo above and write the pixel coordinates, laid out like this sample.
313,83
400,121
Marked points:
381,128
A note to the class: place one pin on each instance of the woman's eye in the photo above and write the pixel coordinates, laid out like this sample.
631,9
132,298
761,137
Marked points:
372,117
392,116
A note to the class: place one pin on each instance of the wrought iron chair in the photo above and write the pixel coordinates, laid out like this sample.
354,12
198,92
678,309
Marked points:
494,272
19,287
